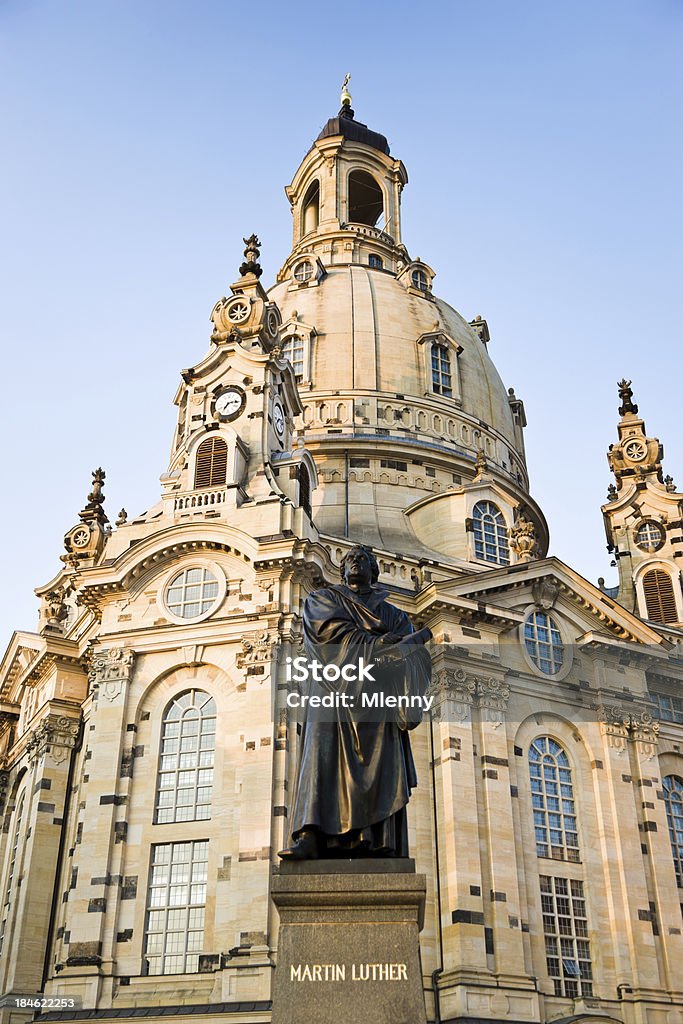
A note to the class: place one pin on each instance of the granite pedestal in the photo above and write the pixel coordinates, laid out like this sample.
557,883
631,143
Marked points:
348,948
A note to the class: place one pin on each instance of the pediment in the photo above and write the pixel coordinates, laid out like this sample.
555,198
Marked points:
549,583
23,651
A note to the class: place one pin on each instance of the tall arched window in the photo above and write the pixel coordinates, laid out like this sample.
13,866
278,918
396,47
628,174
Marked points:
552,799
490,533
442,378
11,870
660,601
366,202
293,349
188,742
211,464
673,799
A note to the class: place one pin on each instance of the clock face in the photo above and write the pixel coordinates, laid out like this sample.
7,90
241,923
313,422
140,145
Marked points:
229,403
635,450
272,322
279,420
80,537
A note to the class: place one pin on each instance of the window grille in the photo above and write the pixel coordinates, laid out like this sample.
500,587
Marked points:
293,349
211,464
543,642
490,534
673,799
649,536
442,381
174,932
552,799
670,708
565,927
9,887
188,743
192,592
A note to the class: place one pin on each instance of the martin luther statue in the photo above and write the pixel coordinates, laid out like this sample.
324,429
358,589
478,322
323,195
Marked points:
355,768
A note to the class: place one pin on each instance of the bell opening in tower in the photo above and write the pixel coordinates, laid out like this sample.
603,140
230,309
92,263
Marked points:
366,202
311,208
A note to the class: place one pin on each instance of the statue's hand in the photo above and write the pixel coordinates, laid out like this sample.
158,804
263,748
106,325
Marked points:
390,639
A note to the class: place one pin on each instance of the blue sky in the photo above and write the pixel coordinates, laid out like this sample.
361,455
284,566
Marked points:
142,140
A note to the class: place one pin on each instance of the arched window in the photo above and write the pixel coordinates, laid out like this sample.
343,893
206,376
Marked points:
673,799
375,261
660,602
304,487
543,642
293,349
9,886
366,202
188,741
311,208
490,534
442,380
552,799
211,464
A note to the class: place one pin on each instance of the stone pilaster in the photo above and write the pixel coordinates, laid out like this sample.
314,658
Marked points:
93,893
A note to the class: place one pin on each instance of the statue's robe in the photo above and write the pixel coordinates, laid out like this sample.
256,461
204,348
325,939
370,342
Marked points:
355,768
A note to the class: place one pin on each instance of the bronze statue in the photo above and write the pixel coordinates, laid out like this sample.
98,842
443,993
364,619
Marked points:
355,769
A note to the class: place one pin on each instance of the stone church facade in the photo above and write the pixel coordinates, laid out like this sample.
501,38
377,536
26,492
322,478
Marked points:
147,756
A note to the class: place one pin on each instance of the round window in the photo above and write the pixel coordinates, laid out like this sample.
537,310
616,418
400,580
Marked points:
543,643
649,536
303,271
238,310
192,592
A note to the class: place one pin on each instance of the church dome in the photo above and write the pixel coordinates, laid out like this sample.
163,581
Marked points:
402,403
368,326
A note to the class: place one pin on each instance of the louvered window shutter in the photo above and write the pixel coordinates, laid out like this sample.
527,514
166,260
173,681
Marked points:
211,466
660,600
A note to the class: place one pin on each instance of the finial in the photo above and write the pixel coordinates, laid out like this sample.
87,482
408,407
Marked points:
626,396
123,518
251,255
481,465
612,492
346,110
669,484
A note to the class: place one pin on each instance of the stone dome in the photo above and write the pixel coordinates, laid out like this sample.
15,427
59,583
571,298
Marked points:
403,408
367,327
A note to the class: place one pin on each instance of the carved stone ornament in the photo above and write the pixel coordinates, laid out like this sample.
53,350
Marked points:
56,607
55,735
620,726
545,593
523,539
455,688
493,696
109,670
256,648
626,396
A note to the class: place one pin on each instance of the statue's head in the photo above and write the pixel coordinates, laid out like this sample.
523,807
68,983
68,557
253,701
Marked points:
359,565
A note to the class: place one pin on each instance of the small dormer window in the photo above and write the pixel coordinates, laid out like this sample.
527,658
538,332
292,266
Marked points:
420,280
442,380
303,271
375,261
